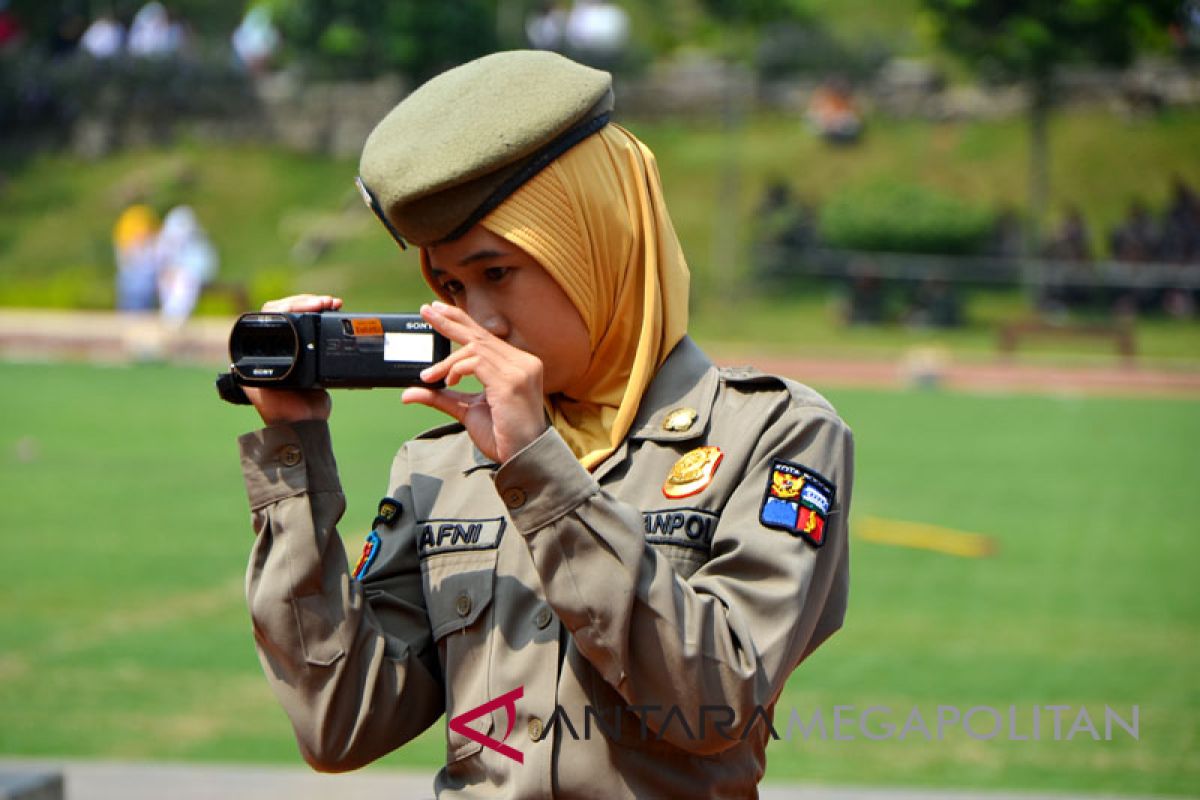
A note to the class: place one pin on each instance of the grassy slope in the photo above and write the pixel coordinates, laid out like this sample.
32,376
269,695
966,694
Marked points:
125,536
1099,163
56,213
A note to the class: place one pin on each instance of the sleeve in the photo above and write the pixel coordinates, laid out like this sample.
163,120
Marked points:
731,633
353,665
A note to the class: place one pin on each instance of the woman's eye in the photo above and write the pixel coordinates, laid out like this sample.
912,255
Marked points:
452,287
495,274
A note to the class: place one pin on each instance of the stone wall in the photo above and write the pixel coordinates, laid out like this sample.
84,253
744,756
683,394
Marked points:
330,118
701,87
335,118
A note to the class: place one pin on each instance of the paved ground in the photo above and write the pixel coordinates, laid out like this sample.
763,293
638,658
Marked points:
98,780
105,336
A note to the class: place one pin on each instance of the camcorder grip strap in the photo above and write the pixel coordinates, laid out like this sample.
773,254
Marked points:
230,390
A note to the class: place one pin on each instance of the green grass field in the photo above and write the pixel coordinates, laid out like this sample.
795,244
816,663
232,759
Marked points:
124,534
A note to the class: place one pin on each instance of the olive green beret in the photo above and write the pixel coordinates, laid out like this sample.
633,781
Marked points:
461,143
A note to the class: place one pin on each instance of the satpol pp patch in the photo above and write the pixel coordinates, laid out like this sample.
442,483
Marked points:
798,500
370,550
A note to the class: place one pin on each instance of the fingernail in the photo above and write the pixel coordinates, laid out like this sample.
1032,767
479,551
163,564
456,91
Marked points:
438,305
425,373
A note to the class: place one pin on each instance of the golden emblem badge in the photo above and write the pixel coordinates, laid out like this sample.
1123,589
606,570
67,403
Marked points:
692,473
680,420
785,485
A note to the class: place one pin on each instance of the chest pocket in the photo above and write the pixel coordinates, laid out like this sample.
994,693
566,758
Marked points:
682,535
459,589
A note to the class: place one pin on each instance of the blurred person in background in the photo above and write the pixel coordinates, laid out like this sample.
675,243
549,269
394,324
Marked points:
104,38
546,28
833,114
187,261
597,32
1072,241
11,32
151,34
135,249
1136,239
70,22
1181,225
255,40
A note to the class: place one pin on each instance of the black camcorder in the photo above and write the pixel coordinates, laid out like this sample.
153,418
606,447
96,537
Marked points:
329,350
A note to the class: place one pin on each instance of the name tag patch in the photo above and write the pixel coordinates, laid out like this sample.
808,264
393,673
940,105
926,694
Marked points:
686,527
797,500
436,536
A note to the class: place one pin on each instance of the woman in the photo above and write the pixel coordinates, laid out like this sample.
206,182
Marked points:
605,569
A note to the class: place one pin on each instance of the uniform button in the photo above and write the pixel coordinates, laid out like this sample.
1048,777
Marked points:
463,605
543,617
535,729
290,455
514,497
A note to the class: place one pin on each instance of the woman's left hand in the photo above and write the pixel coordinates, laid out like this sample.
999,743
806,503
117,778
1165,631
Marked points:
508,414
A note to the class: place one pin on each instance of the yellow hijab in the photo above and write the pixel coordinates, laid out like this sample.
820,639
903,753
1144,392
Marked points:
595,219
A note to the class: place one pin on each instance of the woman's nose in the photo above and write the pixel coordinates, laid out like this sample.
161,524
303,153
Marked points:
489,315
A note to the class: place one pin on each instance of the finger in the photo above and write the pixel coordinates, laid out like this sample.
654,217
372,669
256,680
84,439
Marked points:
461,369
298,303
449,402
454,323
306,302
436,372
458,364
489,365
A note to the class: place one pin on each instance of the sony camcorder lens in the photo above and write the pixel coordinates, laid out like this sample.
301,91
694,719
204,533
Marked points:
263,346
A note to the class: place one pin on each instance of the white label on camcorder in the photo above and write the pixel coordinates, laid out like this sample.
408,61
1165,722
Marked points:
414,347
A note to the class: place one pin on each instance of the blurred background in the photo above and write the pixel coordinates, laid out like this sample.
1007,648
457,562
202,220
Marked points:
973,224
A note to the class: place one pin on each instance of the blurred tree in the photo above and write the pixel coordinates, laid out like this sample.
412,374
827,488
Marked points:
213,19
1030,40
735,27
44,21
363,38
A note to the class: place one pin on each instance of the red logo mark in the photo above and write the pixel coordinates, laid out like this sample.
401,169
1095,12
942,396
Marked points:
508,701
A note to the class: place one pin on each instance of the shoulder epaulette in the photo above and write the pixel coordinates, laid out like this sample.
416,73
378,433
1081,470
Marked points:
801,394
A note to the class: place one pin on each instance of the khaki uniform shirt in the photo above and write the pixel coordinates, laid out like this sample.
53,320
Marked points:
634,644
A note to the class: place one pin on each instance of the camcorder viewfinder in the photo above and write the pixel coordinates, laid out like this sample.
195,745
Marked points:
329,351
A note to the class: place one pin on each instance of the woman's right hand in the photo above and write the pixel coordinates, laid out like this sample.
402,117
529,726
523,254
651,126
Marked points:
292,405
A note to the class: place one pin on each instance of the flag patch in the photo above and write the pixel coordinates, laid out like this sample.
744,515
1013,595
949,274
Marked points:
797,500
370,550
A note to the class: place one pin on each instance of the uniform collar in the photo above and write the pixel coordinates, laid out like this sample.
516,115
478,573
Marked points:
687,379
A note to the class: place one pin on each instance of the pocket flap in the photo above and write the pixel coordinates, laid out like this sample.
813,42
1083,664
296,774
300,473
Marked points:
458,590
